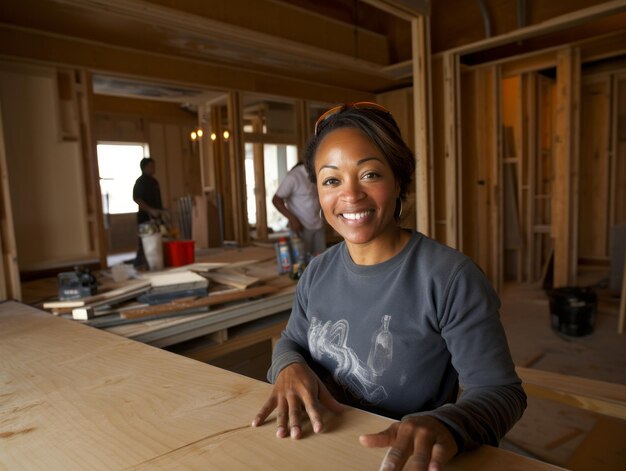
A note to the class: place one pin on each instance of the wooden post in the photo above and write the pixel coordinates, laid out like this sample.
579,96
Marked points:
452,129
259,183
10,287
489,146
237,174
565,167
420,35
89,152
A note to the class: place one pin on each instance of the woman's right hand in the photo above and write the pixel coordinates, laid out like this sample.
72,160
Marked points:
297,386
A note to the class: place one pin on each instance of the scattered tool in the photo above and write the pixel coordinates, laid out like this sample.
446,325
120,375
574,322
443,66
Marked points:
76,284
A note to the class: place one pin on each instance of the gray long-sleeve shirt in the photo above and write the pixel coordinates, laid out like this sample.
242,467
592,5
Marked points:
398,337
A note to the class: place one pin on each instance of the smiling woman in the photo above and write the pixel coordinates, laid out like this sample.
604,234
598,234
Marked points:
390,321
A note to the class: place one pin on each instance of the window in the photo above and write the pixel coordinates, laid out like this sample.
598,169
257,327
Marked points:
118,165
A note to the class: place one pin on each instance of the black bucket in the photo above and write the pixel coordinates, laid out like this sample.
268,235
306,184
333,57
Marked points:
573,310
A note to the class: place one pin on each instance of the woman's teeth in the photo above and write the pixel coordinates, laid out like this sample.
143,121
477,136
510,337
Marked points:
356,216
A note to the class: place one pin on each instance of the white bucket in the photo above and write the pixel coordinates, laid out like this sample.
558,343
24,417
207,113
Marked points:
153,250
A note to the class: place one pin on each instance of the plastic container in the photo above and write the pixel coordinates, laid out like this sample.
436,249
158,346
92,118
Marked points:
178,253
153,249
573,310
283,255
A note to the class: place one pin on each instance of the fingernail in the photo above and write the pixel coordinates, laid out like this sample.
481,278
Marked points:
255,422
317,427
294,432
280,432
387,466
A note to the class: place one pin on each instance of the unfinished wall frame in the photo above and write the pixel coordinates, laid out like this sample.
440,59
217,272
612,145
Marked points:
486,78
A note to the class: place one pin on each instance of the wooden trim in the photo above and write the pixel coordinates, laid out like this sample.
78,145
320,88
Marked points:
423,134
549,26
596,396
452,161
10,287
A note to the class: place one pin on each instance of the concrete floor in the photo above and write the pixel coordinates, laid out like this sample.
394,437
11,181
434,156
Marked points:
550,431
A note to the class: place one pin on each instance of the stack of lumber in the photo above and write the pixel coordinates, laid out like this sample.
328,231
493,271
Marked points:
183,301
83,308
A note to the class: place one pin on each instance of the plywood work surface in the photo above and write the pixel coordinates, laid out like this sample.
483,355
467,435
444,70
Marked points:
74,397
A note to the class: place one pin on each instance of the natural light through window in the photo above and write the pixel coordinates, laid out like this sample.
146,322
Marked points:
118,165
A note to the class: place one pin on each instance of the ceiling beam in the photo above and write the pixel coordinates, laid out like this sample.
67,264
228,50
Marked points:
36,46
189,23
405,9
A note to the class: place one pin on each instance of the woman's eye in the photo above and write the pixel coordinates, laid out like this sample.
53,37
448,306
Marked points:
329,181
371,175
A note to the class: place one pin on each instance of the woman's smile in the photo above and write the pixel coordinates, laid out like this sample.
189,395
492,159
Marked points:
357,191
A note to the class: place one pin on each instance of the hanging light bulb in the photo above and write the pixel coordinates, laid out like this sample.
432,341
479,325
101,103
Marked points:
199,132
194,135
213,136
226,135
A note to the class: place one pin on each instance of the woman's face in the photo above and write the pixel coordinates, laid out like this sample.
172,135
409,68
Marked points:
356,186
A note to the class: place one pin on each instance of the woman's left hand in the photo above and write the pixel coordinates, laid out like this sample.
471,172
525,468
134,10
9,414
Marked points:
420,442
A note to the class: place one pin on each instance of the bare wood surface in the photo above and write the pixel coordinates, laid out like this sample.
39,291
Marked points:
79,398
596,396
184,305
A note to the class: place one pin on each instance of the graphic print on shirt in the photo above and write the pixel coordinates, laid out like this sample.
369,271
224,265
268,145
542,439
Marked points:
329,339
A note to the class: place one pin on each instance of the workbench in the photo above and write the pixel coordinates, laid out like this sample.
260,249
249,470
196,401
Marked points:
74,397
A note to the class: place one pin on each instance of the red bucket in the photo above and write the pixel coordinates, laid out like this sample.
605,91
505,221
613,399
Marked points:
177,253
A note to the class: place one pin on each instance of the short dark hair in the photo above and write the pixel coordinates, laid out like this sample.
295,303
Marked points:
145,162
380,127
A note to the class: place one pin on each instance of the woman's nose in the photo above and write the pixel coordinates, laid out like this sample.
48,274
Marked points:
351,190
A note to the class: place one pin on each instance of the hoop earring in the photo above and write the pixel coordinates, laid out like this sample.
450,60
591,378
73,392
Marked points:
321,214
400,212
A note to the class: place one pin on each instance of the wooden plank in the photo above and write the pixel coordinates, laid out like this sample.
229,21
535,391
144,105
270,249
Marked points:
232,277
184,305
88,311
162,410
596,396
108,296
420,47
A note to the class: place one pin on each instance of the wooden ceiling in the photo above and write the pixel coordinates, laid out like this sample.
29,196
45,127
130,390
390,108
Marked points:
269,36
348,44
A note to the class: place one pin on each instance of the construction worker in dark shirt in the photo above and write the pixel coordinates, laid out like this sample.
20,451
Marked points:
147,195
